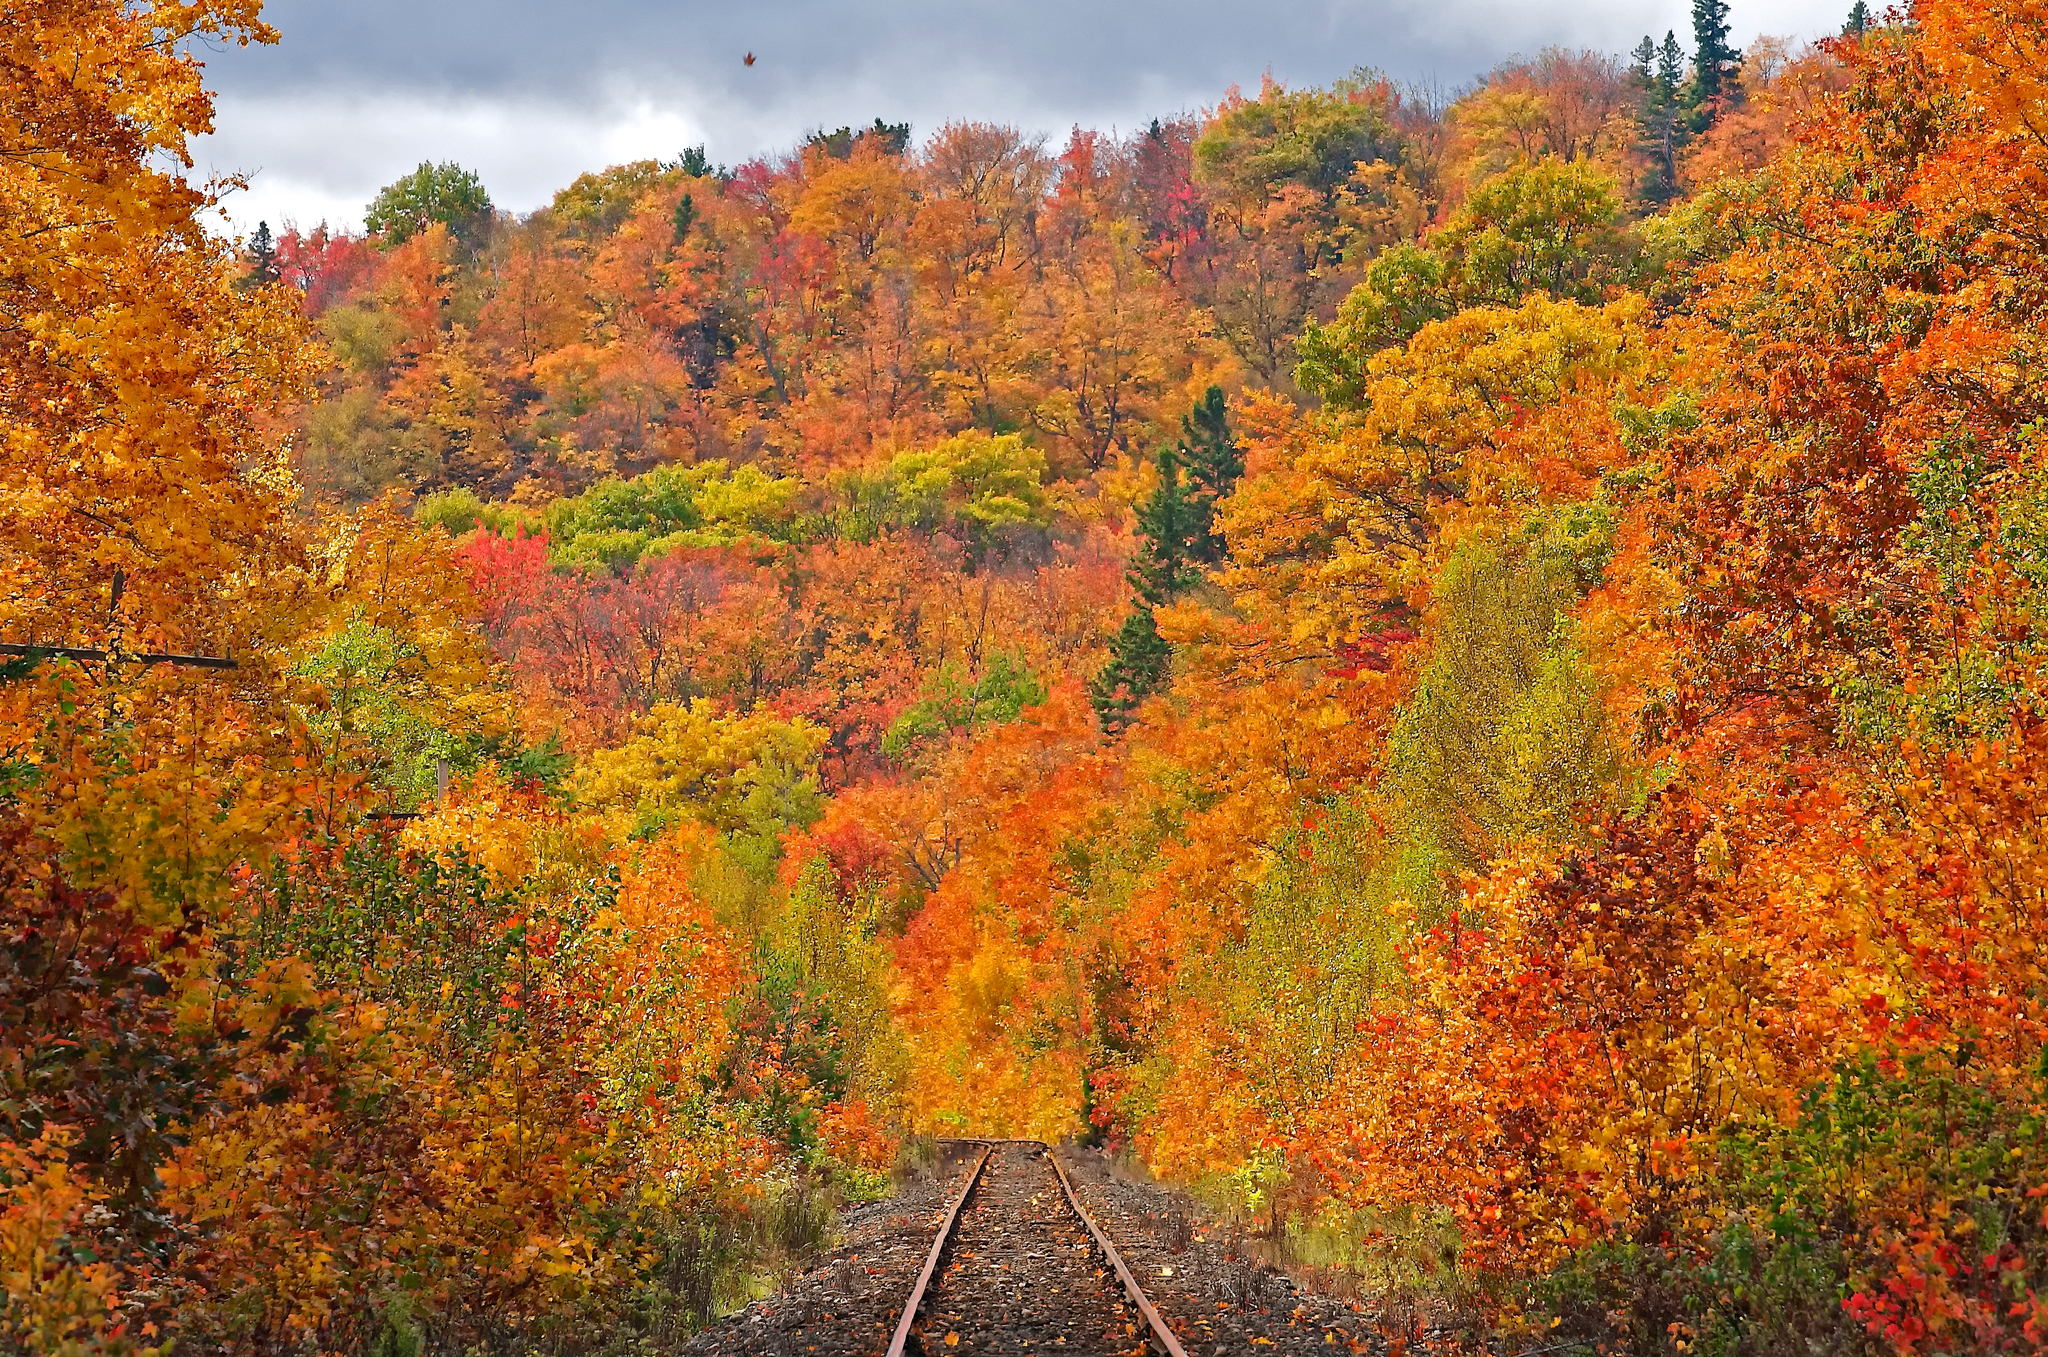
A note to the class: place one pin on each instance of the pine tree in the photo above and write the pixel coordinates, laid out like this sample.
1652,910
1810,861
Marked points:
1214,462
1645,54
1670,68
1859,21
1712,57
1177,537
1663,131
263,267
1138,660
1168,524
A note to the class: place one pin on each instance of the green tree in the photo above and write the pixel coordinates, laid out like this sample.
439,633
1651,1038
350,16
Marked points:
1713,60
444,193
1176,537
1549,227
596,204
951,703
1859,21
893,138
1643,67
1138,661
262,258
1214,463
1316,138
1670,69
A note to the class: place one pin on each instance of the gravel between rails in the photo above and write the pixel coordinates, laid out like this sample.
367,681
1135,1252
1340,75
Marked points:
1022,1275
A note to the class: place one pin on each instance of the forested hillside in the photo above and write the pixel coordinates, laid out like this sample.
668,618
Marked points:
1457,673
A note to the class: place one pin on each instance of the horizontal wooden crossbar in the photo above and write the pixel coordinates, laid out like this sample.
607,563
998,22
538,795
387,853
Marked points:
76,653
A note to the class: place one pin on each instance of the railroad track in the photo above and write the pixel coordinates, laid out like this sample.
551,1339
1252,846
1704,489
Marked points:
1024,1276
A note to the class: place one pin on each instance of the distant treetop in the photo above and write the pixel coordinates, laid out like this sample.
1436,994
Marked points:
445,193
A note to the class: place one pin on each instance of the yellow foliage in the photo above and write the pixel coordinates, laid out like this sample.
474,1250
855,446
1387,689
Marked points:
753,773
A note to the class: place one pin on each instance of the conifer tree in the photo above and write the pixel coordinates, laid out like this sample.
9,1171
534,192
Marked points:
1214,462
1859,21
1177,537
1712,57
1670,68
1645,56
262,258
1663,131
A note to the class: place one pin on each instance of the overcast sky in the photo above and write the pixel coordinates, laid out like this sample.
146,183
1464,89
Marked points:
530,94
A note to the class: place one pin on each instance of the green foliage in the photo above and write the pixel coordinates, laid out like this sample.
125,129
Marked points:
952,703
1315,138
893,138
1645,59
546,765
1139,661
697,165
1321,946
1167,524
372,722
833,945
1713,59
1670,69
1505,738
1548,227
1979,520
427,930
1800,1242
362,336
981,488
1404,289
462,510
444,193
1214,462
1176,537
617,522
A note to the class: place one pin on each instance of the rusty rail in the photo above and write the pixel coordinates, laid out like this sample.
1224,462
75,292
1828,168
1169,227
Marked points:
931,1262
1167,1342
1161,1334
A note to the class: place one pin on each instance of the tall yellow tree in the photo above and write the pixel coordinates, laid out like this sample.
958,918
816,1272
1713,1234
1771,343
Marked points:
142,512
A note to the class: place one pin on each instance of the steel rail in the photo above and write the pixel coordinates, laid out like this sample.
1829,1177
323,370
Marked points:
1164,1335
931,1261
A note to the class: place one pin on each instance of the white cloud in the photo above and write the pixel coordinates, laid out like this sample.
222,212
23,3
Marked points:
359,93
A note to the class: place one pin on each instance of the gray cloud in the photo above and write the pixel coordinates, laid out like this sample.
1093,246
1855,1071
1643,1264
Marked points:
530,93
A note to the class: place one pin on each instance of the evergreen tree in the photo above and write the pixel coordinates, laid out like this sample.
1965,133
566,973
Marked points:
1712,58
1645,56
1670,69
1177,537
1859,21
1138,661
1214,462
1168,524
1663,131
263,267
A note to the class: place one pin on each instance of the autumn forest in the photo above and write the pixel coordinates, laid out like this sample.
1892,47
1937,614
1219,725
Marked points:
1454,673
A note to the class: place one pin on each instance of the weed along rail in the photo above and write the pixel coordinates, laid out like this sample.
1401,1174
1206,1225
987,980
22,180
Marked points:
1019,1266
